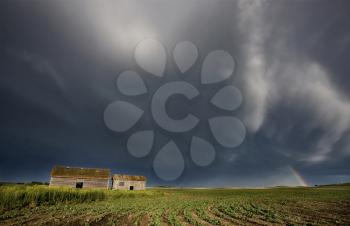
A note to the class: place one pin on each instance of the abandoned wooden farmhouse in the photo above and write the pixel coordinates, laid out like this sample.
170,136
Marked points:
128,182
77,177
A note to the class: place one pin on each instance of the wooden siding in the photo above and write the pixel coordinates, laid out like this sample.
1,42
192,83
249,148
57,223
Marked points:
87,183
138,185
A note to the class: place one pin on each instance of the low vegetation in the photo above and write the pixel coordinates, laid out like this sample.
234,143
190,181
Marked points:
41,205
22,196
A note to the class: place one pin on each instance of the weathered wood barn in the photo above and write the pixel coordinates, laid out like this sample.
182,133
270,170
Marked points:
128,182
76,177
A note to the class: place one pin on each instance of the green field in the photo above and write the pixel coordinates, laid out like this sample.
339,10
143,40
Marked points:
40,205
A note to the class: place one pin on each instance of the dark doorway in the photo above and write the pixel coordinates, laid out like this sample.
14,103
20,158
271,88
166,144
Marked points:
79,185
131,187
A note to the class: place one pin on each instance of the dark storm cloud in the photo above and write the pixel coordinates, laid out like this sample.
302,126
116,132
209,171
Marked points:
293,76
59,62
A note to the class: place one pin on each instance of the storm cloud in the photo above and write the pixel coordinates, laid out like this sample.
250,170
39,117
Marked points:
59,62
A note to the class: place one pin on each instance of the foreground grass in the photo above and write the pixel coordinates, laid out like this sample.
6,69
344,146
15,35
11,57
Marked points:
21,196
14,196
40,205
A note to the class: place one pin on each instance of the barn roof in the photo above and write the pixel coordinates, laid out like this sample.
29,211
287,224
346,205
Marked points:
128,177
77,172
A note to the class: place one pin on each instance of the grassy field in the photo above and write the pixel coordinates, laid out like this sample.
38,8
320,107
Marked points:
40,205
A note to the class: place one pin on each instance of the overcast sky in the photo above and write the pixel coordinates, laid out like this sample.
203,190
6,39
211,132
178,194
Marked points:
59,62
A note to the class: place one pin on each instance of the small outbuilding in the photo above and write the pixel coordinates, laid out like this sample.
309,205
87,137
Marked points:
128,182
76,177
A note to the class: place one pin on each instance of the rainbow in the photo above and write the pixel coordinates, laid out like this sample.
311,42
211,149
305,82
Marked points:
299,177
